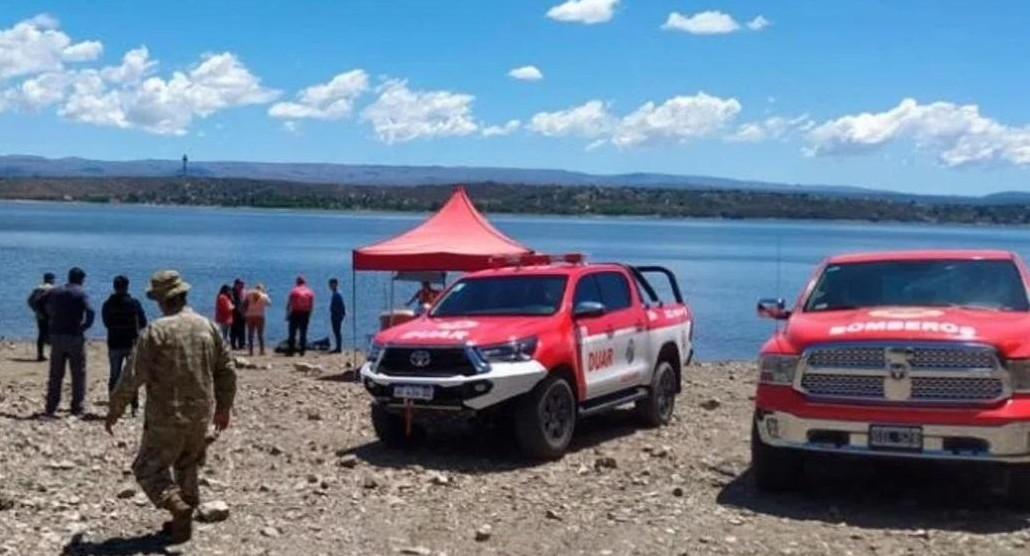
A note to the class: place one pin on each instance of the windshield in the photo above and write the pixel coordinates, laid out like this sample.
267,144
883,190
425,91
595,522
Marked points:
507,295
972,284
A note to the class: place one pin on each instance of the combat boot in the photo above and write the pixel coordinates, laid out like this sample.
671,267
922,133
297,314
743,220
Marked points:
180,528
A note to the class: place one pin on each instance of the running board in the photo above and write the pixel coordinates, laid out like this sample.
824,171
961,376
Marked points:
613,401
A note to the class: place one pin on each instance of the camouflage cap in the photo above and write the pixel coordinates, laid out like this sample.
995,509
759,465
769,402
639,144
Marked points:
165,284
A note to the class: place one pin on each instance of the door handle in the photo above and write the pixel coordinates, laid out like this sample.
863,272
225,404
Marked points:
640,326
610,330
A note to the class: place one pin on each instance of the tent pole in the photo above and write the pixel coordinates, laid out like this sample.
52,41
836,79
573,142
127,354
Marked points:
390,307
354,309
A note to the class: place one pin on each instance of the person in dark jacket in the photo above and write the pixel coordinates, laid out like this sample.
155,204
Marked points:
37,302
70,316
124,318
239,322
337,310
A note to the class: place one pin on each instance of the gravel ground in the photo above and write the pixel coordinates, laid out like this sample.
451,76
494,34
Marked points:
302,473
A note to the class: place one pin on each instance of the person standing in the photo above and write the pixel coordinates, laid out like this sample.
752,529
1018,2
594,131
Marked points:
239,325
337,311
37,302
424,297
70,315
224,310
187,370
124,318
298,314
256,302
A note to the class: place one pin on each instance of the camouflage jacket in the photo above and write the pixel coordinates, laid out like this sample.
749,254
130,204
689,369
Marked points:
186,368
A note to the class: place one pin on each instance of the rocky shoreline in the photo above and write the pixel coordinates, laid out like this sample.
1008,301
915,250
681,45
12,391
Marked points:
300,472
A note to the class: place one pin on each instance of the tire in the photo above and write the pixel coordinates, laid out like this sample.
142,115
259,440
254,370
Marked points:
657,408
1019,487
389,427
546,419
774,469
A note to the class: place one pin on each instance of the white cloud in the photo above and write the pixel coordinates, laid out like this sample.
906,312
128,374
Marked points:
677,120
590,120
291,127
584,11
758,23
37,45
400,114
957,134
128,95
712,22
328,101
775,127
526,73
501,130
703,23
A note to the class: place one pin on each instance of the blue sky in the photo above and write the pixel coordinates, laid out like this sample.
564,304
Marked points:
779,98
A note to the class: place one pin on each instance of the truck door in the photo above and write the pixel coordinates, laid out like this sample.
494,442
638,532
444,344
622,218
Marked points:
612,345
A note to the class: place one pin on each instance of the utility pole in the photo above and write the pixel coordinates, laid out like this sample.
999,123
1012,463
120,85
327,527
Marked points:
185,165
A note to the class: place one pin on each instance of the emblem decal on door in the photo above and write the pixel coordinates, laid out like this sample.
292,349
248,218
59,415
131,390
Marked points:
630,351
598,360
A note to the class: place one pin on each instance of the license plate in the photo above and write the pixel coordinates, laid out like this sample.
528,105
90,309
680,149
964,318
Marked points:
890,437
413,391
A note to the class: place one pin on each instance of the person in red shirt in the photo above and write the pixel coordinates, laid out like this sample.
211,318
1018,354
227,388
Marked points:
223,310
299,305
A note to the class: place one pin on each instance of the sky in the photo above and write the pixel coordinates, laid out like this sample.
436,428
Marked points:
926,96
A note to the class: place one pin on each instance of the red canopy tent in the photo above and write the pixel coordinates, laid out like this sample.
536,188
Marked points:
456,238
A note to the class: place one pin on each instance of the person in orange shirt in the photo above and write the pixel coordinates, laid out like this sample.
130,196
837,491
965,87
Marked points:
223,310
299,305
425,296
255,303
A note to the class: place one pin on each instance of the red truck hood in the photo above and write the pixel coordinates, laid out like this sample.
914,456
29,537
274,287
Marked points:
1005,330
461,330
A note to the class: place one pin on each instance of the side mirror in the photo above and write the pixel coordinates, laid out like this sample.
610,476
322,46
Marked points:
775,309
588,309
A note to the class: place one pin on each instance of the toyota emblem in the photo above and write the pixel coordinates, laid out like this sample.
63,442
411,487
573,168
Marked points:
420,358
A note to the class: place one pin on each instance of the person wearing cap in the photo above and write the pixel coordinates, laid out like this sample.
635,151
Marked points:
190,380
70,315
299,305
124,318
36,303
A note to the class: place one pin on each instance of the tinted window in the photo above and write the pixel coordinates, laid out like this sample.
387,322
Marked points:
587,290
509,295
977,284
614,290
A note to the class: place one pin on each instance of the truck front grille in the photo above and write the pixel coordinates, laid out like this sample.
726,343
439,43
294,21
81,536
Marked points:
398,361
899,373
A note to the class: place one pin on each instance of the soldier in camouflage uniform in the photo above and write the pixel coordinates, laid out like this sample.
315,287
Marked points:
189,378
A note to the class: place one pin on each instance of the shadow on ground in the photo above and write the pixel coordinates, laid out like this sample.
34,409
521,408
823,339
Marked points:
478,450
151,543
906,496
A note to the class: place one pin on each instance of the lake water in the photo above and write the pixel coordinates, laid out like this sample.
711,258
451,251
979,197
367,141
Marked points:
723,266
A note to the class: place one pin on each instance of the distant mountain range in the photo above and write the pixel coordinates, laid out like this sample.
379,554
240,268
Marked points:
383,175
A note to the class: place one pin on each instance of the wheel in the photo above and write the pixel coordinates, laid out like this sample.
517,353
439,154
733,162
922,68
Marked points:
389,427
775,469
546,419
656,409
1019,487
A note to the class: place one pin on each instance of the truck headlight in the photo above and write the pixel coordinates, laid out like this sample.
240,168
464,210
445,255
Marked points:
777,369
1019,374
515,350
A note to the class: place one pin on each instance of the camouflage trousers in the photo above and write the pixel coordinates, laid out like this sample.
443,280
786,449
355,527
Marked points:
168,461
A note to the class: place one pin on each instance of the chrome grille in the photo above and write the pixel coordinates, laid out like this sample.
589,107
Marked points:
956,388
952,358
843,386
848,358
900,372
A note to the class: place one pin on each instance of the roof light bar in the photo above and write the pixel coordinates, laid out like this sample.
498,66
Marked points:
536,259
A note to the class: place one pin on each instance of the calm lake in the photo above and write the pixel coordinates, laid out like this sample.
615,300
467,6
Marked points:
723,266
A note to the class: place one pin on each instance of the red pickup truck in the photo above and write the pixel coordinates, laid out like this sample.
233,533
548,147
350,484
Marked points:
921,354
546,341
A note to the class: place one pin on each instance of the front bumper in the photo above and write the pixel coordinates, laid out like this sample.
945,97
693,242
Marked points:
1009,443
459,393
